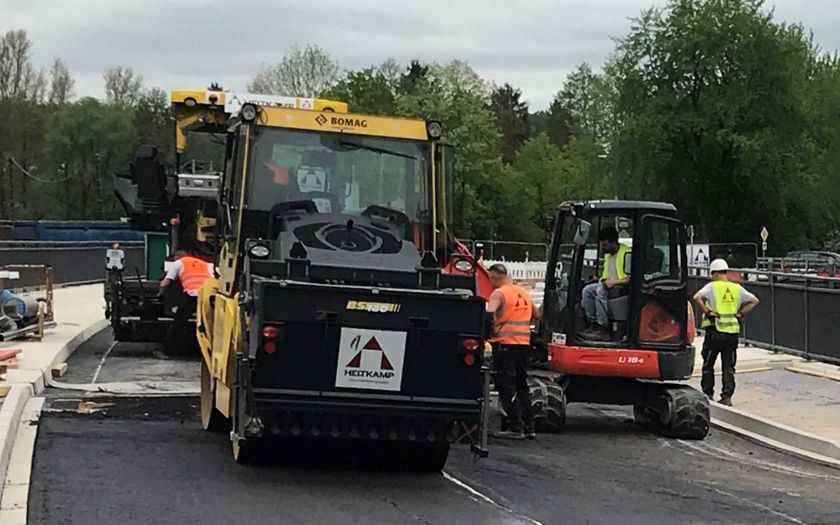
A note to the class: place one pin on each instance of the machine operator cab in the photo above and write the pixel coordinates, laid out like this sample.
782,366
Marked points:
649,311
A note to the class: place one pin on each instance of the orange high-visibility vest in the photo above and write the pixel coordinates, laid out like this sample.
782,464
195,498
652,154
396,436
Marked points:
513,320
194,273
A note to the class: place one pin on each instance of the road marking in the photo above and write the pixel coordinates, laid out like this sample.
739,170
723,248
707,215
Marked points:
758,505
722,453
487,499
102,362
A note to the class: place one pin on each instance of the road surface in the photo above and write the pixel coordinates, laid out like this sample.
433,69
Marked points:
146,460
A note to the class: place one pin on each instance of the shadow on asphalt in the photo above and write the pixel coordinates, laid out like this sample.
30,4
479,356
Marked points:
326,454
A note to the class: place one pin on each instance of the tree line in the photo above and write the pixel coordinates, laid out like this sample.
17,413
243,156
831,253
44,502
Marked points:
708,104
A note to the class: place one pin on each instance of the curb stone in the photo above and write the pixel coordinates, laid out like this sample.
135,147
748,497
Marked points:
776,435
20,393
10,414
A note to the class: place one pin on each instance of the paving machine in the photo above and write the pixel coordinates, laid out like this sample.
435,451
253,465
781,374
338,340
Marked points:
330,316
651,329
172,196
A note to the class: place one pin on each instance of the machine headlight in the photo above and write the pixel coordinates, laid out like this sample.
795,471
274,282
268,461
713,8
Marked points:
434,129
248,112
259,251
464,265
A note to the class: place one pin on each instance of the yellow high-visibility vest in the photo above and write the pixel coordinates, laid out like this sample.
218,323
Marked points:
726,298
619,263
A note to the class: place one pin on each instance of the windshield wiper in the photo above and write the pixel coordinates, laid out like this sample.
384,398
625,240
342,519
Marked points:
355,145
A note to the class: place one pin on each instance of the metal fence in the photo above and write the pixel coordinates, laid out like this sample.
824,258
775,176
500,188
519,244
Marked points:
507,250
72,262
817,266
798,314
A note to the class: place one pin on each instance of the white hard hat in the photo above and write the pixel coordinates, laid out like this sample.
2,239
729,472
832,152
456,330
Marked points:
718,265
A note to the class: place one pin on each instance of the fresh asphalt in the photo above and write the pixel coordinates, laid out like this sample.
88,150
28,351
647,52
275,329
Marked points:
105,460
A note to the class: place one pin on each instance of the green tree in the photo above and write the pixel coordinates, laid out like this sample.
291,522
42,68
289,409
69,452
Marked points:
543,176
18,77
558,124
301,72
712,95
585,98
414,75
365,91
152,119
61,83
122,85
456,96
89,141
511,114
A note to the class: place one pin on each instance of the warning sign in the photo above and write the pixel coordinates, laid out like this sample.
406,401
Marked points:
235,100
370,359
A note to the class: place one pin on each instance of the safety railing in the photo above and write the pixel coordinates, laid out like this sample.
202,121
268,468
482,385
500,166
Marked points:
817,266
507,250
71,262
799,314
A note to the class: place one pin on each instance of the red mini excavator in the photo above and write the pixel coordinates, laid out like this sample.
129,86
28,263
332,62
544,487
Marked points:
650,333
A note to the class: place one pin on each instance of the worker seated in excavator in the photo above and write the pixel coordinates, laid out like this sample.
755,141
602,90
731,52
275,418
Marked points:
608,299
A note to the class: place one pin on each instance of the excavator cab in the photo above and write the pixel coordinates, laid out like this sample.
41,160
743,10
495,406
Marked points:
650,309
648,339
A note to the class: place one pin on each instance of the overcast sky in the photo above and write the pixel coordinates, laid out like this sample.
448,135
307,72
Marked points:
532,45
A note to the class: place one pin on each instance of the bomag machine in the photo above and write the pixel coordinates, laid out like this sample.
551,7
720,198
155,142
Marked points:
171,195
341,308
649,345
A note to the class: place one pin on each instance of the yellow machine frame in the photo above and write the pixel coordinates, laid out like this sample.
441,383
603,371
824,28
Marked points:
218,318
195,108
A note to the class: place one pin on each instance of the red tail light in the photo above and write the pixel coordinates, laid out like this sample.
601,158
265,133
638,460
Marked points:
470,345
469,359
270,333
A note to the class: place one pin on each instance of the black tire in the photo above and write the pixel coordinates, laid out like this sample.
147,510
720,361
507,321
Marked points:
211,419
688,416
643,416
548,404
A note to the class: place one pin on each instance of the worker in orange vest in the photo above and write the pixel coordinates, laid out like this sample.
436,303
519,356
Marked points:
513,310
191,272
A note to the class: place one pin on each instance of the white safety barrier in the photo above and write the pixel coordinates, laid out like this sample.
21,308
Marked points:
521,271
530,275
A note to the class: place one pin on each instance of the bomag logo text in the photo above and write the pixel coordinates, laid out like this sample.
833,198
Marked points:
379,308
348,122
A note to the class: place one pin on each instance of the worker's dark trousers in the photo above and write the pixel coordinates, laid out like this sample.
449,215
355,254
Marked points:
511,365
178,334
725,345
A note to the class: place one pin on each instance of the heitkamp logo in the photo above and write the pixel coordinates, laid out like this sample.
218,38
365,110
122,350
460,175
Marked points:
372,345
321,119
370,359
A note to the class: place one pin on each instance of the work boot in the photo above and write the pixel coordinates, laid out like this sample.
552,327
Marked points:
599,333
510,434
710,395
590,327
727,400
